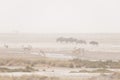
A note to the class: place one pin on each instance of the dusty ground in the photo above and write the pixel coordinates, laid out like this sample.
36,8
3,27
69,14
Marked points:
108,49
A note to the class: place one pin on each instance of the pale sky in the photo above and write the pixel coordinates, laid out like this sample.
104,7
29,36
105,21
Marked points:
62,16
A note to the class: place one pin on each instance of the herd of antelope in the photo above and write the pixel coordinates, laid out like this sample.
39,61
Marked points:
28,50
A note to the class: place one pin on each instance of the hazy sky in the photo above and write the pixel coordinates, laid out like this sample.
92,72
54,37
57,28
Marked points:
63,16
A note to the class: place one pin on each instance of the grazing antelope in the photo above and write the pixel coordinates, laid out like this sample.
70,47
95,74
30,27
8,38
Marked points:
79,51
6,46
27,49
42,53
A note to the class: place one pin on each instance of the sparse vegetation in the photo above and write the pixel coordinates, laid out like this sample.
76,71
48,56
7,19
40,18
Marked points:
59,63
92,71
26,69
97,71
96,64
114,76
28,78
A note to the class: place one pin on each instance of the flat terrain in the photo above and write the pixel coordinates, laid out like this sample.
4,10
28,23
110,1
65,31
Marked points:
46,57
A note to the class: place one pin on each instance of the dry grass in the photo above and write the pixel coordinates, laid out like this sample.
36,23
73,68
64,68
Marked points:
33,61
14,61
26,69
93,71
33,77
114,76
28,78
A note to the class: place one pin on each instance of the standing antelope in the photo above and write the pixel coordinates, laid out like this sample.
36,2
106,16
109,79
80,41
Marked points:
27,49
